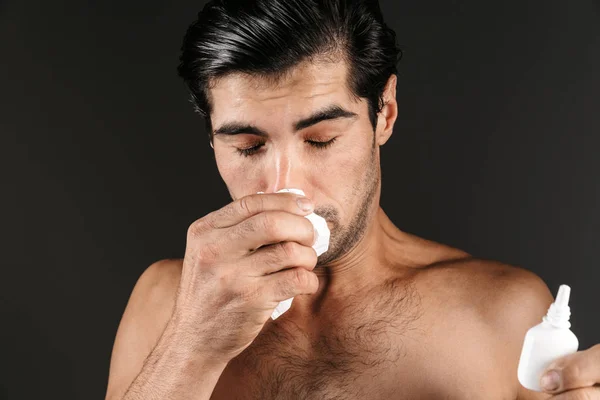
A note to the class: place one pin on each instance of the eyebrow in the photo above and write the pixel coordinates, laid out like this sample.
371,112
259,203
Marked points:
330,112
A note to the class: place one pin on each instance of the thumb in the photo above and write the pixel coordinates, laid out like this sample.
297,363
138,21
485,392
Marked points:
580,369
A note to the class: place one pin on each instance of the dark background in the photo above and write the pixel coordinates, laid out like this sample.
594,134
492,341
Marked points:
105,165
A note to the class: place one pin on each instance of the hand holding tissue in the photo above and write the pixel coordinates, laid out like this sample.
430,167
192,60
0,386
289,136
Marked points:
321,245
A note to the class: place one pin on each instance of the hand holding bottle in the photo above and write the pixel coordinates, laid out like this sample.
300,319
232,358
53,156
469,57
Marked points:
550,361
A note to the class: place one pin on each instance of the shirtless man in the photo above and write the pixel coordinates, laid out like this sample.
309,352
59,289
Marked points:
382,314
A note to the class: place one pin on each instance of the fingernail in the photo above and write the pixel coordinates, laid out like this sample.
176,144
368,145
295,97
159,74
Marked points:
304,203
551,380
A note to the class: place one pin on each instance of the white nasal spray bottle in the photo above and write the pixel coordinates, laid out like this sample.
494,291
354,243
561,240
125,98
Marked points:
547,341
321,245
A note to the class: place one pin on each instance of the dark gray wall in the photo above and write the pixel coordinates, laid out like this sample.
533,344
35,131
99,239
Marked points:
105,165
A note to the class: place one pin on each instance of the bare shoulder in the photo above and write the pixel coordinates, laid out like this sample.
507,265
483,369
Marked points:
512,297
146,314
507,300
493,286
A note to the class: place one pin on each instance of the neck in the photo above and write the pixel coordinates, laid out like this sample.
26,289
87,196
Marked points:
373,259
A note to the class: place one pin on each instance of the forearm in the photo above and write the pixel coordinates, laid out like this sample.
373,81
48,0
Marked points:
172,371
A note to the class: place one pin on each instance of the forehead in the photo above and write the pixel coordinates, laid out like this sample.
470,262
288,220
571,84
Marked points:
305,87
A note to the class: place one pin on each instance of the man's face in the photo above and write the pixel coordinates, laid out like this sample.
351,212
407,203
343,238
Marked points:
342,179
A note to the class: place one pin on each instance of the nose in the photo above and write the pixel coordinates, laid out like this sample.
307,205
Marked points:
284,171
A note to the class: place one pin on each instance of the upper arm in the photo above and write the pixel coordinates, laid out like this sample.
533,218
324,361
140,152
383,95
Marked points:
144,319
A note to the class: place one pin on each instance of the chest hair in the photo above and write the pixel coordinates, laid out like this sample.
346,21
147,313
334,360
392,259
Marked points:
364,339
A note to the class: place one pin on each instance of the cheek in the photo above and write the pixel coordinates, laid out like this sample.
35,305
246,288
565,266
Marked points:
238,175
351,160
227,168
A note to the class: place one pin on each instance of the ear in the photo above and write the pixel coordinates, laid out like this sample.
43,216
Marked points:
389,112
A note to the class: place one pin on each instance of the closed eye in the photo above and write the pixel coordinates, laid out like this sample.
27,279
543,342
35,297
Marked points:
253,150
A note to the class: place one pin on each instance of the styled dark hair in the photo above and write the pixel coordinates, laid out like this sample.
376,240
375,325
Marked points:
267,38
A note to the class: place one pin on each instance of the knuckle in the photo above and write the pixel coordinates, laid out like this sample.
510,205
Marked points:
208,222
284,287
200,226
244,204
194,229
251,204
209,252
287,250
249,293
299,277
272,257
267,224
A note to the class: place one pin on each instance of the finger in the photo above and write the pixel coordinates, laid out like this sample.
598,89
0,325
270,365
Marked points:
588,393
248,206
577,370
289,283
268,228
278,256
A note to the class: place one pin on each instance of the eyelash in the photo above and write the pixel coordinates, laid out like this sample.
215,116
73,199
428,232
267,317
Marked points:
252,150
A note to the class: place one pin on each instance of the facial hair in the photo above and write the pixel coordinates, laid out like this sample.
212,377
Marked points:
345,237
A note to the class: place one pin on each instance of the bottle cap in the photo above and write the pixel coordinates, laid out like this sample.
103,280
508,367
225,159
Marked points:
562,298
559,311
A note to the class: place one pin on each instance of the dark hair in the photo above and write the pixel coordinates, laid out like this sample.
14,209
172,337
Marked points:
269,37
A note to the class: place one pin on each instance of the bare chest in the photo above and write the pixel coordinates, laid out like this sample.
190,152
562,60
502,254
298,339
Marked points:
394,348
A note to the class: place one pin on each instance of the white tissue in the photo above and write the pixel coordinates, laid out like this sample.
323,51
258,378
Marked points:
321,245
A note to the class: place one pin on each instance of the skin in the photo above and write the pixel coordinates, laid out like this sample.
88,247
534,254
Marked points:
347,204
395,315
